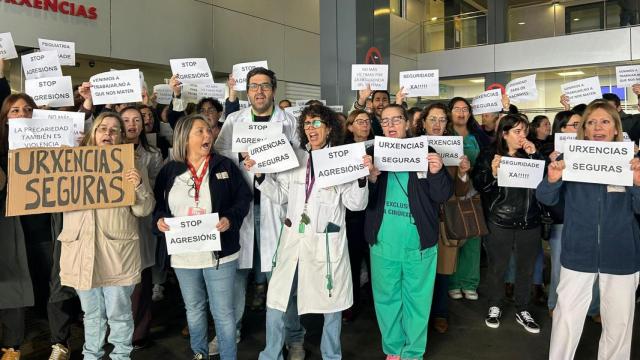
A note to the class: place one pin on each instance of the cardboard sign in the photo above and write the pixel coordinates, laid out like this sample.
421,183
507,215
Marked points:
336,108
77,118
52,92
450,148
240,72
7,47
520,173
41,64
164,94
598,162
116,87
582,91
304,102
339,165
560,139
273,155
48,180
376,76
627,76
191,71
66,50
44,133
401,154
420,83
216,91
522,89
189,234
247,133
489,101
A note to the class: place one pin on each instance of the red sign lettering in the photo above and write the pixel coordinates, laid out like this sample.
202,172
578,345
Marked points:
63,7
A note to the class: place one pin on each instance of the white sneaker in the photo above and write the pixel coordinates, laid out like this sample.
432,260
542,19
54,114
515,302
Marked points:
213,345
470,294
296,351
455,294
157,293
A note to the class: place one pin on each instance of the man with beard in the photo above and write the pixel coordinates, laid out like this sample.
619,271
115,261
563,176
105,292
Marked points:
379,100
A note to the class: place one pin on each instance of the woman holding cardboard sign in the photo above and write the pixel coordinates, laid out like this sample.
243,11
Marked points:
100,255
600,243
402,227
311,257
513,217
199,181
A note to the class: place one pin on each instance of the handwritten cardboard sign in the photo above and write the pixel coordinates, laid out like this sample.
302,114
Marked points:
47,180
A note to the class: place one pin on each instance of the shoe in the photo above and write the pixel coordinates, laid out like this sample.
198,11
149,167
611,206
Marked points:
524,318
259,297
539,297
213,344
455,294
440,325
10,354
296,351
185,331
59,352
493,318
470,294
596,318
157,293
508,291
198,357
393,357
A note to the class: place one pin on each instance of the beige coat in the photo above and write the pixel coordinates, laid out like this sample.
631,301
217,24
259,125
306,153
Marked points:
102,247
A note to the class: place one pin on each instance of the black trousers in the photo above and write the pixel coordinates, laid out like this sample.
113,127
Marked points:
525,245
440,303
61,315
358,250
12,322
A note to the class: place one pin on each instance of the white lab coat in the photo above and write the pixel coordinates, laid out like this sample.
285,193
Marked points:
271,215
308,251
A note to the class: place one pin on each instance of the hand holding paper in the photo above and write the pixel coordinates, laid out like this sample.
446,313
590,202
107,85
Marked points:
554,171
223,225
435,163
364,94
495,165
464,167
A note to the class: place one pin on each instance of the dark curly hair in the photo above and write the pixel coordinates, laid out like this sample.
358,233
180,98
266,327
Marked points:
328,117
425,112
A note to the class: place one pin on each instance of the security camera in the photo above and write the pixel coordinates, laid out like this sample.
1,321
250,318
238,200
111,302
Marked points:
92,63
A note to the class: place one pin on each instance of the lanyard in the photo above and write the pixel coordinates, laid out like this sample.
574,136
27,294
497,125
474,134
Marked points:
197,180
310,179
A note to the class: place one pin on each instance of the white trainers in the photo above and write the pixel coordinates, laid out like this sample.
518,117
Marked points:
470,294
157,293
213,344
296,351
455,294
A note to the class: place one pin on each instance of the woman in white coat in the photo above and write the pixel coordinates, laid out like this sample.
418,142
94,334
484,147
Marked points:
311,257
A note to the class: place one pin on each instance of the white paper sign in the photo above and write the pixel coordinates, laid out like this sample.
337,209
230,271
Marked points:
336,108
339,165
66,50
164,94
191,71
240,72
244,104
450,148
560,139
41,64
76,117
189,234
116,87
488,102
247,133
522,89
189,93
520,173
53,92
401,154
582,91
295,111
375,75
25,133
420,83
7,47
273,155
598,162
626,76
304,102
216,91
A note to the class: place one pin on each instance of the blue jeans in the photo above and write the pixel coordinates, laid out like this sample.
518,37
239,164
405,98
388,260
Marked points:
538,270
555,241
199,286
107,305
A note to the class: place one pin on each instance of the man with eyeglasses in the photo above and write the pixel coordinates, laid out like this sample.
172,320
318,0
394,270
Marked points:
262,224
379,100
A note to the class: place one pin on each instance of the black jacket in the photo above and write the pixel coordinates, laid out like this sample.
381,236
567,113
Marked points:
425,197
505,206
230,196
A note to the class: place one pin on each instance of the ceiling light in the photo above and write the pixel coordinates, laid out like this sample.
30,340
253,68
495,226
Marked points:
521,23
434,18
477,81
571,73
576,19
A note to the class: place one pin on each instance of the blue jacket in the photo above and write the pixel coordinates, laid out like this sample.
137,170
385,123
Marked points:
600,232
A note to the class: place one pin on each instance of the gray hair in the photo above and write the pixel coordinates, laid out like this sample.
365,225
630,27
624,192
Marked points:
181,136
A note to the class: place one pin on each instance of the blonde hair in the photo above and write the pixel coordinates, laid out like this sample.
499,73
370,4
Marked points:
604,105
90,137
181,136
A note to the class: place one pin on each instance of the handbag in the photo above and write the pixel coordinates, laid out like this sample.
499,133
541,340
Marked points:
464,218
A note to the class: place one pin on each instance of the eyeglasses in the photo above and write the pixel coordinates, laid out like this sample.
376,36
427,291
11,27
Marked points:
434,120
312,123
263,86
574,125
106,130
463,110
362,122
394,120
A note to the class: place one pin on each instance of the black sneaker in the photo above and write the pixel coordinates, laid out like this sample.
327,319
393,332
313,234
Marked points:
493,318
524,318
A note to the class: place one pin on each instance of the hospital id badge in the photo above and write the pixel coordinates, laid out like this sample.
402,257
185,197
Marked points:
194,210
